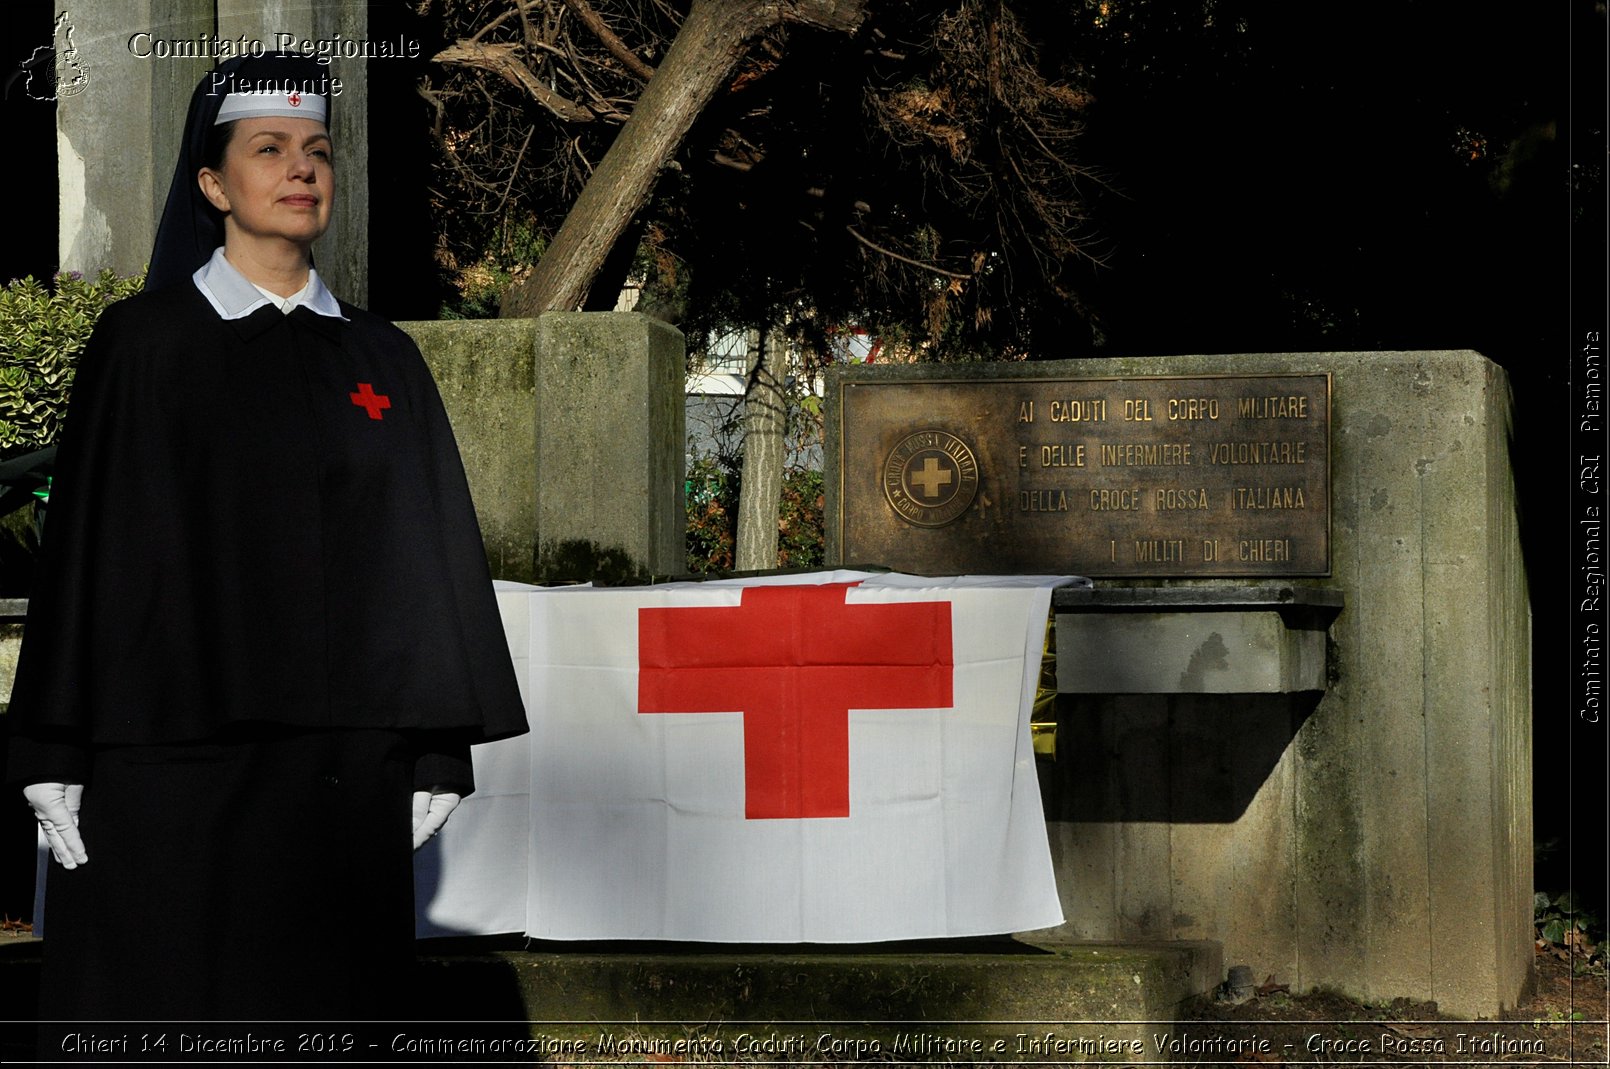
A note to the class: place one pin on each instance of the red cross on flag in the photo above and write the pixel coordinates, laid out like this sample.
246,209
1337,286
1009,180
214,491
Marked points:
794,660
827,758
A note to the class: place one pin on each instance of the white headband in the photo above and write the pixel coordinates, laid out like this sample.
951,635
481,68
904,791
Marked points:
294,104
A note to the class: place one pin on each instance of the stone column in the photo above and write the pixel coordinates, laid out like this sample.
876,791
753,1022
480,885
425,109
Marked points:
571,430
611,446
117,135
485,371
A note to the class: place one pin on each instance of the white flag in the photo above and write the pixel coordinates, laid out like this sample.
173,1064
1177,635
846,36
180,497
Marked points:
824,758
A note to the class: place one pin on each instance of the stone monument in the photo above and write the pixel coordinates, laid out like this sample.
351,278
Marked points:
1295,716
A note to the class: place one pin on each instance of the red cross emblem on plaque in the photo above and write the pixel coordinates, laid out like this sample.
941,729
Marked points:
794,660
372,402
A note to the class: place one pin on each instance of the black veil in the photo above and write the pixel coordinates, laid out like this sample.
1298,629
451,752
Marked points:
191,228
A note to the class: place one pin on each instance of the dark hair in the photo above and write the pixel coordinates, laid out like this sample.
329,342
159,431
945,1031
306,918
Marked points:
217,144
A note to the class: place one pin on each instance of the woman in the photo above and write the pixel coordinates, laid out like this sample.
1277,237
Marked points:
266,637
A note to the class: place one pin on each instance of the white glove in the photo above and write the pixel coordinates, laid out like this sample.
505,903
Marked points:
56,807
430,813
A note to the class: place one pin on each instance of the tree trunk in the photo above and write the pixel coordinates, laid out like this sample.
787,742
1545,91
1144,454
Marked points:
765,421
707,47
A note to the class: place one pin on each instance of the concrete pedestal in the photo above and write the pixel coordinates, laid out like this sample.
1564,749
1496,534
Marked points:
1350,808
1186,640
571,430
940,1003
1370,834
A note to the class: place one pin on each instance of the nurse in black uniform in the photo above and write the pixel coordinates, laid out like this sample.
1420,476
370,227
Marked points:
265,636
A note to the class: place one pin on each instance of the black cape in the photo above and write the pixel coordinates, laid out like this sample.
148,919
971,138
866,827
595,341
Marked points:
235,538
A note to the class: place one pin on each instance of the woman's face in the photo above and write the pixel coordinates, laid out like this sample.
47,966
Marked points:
276,181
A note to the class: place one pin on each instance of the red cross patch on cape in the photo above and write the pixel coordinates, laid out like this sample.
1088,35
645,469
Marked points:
369,401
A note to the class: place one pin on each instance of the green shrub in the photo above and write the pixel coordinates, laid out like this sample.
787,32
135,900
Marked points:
712,503
800,535
478,287
1565,927
42,333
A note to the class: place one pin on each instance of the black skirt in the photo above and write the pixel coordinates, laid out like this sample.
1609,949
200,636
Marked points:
265,877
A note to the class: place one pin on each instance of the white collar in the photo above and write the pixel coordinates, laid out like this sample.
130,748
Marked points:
233,296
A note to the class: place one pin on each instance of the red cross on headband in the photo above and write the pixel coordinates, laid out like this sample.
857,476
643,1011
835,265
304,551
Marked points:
288,100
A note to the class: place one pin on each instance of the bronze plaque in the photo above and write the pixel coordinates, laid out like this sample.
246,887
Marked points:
1225,475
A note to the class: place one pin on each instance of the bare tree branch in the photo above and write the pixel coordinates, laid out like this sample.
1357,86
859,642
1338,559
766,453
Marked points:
514,172
503,61
709,43
843,16
607,37
518,9
727,161
875,247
